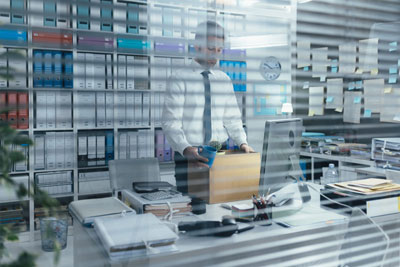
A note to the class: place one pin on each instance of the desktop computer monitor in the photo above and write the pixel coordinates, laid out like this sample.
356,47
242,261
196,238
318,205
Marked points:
280,154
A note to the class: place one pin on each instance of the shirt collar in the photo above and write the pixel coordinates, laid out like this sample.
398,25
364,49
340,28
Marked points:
196,67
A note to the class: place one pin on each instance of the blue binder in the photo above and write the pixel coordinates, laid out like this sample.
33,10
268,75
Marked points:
48,69
17,19
106,27
83,24
109,146
37,69
57,79
133,12
13,35
51,22
133,44
68,70
243,76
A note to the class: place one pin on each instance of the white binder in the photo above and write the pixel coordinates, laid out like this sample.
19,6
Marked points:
109,110
133,153
50,109
101,149
123,145
89,70
39,151
109,71
138,108
121,72
95,15
63,109
3,64
130,109
99,71
60,150
79,71
130,73
101,109
146,109
69,141
121,107
50,150
19,69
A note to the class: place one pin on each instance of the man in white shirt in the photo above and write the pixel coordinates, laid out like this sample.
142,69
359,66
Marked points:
200,105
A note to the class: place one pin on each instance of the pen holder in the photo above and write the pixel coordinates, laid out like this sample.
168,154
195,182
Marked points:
263,214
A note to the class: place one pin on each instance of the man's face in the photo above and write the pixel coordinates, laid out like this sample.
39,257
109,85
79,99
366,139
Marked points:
208,54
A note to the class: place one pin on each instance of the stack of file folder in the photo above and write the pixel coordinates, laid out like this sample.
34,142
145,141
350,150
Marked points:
134,235
386,152
180,204
374,196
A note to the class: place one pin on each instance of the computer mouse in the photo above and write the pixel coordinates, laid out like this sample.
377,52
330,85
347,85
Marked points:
228,220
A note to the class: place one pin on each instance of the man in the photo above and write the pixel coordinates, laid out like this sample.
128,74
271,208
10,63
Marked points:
200,105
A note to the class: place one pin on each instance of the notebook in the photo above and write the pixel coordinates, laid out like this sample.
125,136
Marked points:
134,235
86,210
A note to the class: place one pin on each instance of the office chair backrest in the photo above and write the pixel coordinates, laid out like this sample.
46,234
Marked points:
393,175
123,172
365,243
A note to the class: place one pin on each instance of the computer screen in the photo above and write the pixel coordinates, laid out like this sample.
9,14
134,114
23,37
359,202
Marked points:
281,149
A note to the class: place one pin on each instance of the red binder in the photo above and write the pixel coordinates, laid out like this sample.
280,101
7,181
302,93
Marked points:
12,113
23,111
63,39
3,105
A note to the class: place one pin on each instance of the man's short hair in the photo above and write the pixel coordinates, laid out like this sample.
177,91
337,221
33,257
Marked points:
209,29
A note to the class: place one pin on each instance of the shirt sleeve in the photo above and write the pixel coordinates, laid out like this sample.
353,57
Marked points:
174,101
232,117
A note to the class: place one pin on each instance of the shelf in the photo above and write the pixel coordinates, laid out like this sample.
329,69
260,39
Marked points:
53,170
62,195
51,89
17,173
134,127
96,129
53,184
13,201
54,130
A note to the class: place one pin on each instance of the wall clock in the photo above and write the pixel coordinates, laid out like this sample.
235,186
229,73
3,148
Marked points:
270,68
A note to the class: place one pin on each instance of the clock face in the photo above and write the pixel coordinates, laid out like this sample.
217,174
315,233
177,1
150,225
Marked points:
270,68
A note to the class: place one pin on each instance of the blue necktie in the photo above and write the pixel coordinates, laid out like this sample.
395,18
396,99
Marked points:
207,108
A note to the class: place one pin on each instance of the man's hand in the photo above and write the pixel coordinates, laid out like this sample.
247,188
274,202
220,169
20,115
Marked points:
246,148
193,156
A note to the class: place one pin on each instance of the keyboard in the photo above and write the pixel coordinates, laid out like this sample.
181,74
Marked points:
160,195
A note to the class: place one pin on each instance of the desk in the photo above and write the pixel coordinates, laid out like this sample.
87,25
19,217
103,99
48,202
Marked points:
342,160
311,245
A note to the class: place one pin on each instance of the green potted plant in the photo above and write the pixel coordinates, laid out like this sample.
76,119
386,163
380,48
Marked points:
217,145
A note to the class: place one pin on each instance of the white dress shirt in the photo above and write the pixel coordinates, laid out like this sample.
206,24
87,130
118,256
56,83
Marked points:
182,118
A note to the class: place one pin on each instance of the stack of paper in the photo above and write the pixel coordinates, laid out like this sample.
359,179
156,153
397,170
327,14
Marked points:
87,210
134,235
368,186
160,208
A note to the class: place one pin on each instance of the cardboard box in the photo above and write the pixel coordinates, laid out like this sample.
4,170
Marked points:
233,176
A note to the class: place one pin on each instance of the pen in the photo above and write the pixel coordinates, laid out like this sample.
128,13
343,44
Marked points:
283,224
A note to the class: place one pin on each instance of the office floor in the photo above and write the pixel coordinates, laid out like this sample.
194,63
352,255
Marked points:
44,258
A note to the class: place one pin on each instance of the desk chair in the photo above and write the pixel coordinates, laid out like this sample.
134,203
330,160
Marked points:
123,172
393,175
365,243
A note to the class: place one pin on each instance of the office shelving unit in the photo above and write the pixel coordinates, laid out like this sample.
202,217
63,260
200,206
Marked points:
151,52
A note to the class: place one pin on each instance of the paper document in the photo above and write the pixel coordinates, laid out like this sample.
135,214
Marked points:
352,107
316,101
368,186
334,94
319,62
373,94
368,54
303,54
347,57
390,106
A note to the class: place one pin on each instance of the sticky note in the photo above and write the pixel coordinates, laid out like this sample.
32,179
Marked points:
311,113
357,100
359,71
359,84
306,68
334,69
306,85
352,86
392,46
388,90
322,79
367,113
374,72
393,70
392,79
339,109
329,99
